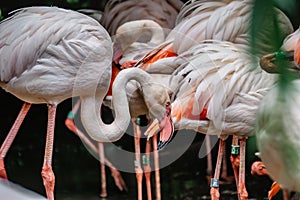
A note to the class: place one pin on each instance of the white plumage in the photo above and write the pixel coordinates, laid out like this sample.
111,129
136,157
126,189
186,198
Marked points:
278,135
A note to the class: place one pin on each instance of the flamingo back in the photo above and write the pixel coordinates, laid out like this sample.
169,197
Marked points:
117,12
40,50
222,81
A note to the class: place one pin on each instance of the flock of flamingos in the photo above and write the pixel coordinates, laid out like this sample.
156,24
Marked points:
183,66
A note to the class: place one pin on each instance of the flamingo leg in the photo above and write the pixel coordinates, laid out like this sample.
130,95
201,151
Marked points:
147,169
119,181
102,169
156,167
47,172
11,136
209,158
70,119
235,158
214,185
137,163
224,173
242,192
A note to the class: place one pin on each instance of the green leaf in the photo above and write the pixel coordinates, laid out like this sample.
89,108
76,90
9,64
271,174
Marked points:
73,1
1,17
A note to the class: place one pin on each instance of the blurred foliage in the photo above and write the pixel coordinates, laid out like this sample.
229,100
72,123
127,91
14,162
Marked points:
1,14
264,14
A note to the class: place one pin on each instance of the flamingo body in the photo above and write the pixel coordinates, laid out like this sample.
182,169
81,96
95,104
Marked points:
117,12
44,59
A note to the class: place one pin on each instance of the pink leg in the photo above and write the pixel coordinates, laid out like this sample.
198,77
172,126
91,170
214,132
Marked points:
11,136
209,158
47,173
70,119
147,169
235,158
214,185
156,167
242,192
102,170
138,168
119,181
224,166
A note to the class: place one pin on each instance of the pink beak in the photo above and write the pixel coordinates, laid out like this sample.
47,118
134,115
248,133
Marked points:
165,127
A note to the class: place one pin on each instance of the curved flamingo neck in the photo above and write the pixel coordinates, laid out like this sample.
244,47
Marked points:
91,105
130,32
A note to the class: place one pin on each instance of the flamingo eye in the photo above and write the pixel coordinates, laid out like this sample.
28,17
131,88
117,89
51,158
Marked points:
168,104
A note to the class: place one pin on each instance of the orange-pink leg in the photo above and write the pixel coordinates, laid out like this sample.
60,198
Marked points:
137,162
156,168
47,173
224,173
214,185
235,158
242,191
147,169
11,136
102,170
209,158
119,181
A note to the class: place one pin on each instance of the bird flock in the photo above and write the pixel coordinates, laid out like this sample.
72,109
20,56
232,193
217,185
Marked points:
179,65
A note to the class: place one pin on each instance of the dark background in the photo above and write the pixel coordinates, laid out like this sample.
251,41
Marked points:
77,172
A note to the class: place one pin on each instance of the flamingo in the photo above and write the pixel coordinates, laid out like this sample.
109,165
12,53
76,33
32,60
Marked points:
216,92
46,62
118,12
159,17
268,131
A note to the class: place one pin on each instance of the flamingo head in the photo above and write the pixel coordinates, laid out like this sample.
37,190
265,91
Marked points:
258,169
159,105
290,50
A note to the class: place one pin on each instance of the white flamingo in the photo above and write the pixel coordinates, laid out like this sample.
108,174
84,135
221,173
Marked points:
45,61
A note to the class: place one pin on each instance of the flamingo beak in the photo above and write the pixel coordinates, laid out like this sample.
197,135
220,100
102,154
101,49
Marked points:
268,61
165,127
